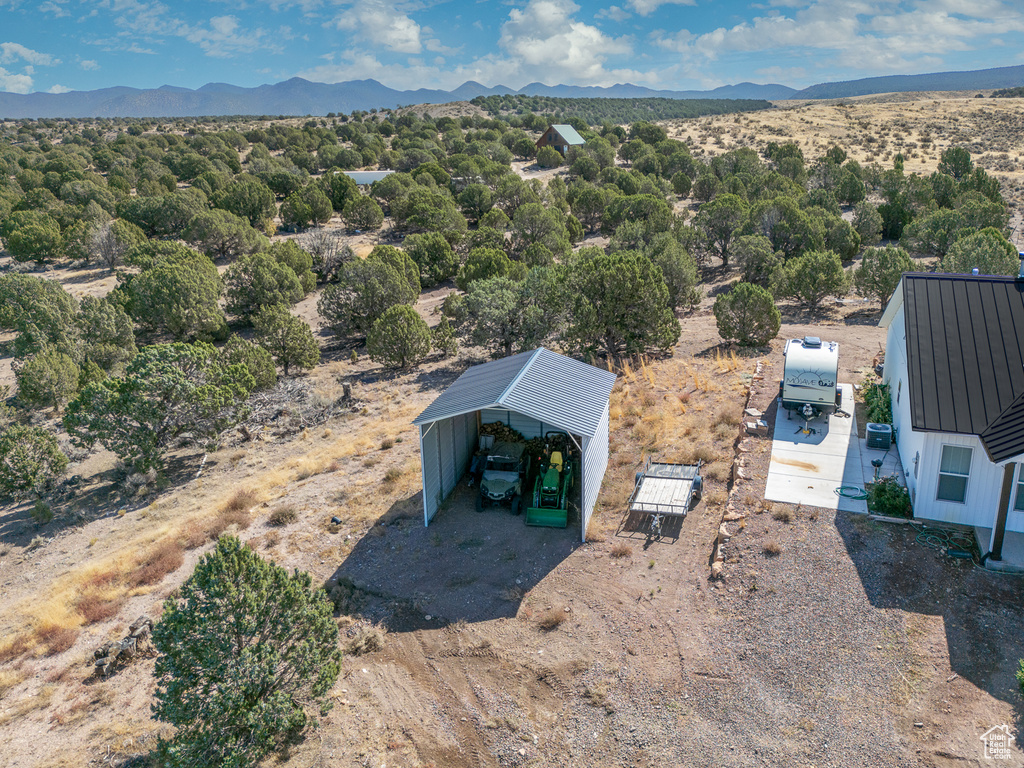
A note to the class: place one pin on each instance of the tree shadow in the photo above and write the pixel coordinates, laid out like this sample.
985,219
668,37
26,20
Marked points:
982,612
466,566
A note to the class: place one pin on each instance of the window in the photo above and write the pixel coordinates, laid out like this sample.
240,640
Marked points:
954,468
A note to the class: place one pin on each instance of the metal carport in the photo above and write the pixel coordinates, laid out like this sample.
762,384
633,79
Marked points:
532,392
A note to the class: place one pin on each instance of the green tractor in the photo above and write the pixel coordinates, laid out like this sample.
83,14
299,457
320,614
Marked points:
551,488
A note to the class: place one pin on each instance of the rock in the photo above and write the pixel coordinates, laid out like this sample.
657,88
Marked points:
753,413
732,515
723,534
716,570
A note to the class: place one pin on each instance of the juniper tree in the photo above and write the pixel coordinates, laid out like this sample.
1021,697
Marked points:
247,652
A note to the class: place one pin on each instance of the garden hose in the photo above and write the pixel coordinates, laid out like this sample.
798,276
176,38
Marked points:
851,492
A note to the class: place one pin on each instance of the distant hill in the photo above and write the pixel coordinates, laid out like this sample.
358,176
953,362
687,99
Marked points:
979,79
302,97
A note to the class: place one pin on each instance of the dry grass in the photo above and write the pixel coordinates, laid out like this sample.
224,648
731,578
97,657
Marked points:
284,515
54,638
29,704
163,558
772,548
783,514
95,608
393,475
552,619
368,639
9,678
242,500
621,550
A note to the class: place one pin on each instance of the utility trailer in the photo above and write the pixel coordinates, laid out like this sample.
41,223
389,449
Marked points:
664,489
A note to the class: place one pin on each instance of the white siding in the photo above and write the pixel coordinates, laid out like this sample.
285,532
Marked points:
909,442
983,485
595,462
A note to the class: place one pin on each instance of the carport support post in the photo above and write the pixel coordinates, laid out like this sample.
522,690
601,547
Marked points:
995,547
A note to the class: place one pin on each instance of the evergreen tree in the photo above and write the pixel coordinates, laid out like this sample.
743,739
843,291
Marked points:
246,649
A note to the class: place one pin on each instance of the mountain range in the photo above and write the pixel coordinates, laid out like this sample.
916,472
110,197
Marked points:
302,97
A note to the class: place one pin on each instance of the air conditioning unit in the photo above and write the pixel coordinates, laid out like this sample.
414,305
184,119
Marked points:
880,436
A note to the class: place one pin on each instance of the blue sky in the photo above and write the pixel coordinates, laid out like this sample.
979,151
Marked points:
57,45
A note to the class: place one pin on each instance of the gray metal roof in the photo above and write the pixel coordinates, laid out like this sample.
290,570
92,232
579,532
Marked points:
542,384
570,134
965,353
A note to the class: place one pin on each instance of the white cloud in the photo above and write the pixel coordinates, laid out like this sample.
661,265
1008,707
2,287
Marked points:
383,24
612,12
13,83
10,52
882,36
647,7
542,41
88,64
225,37
54,7
56,88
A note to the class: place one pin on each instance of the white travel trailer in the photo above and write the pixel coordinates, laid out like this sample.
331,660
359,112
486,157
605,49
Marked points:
809,379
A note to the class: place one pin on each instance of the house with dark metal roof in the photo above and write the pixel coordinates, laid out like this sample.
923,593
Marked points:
561,137
534,393
954,362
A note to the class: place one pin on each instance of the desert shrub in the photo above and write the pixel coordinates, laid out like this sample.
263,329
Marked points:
242,500
400,338
783,514
161,559
772,548
367,639
748,315
878,401
887,497
621,550
42,513
283,516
